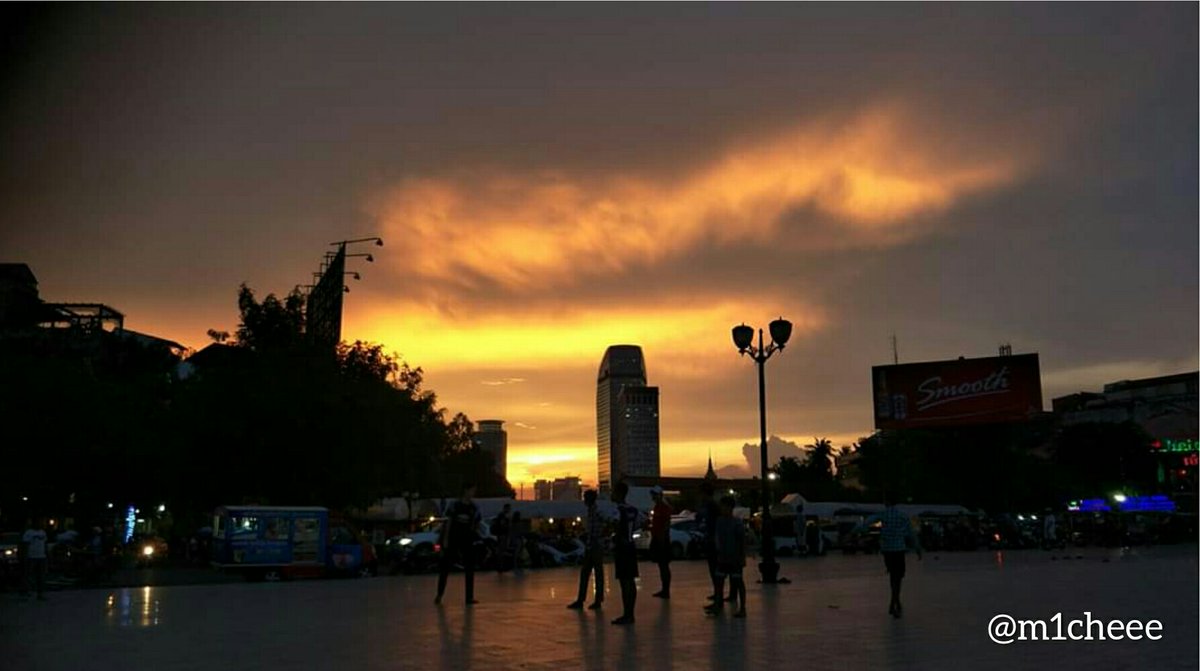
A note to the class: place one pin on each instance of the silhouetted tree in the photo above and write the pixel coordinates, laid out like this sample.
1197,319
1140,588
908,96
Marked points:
820,458
273,323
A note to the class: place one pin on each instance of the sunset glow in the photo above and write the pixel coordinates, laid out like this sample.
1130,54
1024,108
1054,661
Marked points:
557,181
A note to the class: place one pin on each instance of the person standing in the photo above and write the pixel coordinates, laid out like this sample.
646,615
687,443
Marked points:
516,542
708,514
34,540
458,542
894,539
501,528
625,553
660,540
593,556
731,556
1049,531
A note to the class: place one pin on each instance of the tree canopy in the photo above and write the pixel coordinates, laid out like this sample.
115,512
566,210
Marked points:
261,417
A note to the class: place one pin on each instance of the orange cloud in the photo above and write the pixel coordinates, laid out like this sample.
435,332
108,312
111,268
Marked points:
523,230
680,336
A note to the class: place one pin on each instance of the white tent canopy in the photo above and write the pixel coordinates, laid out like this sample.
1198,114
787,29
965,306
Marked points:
397,508
795,502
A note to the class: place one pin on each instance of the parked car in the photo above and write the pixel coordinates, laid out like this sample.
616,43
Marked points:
865,540
681,541
10,557
695,531
10,548
421,551
561,551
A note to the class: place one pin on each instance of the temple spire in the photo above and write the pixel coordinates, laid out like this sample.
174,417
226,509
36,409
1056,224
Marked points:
710,474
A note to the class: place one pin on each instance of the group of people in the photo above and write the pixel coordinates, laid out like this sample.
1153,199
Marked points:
724,546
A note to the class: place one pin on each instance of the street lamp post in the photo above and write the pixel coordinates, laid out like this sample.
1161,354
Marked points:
743,339
409,497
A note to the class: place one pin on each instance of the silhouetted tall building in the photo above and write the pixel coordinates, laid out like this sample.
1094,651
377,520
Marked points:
623,367
493,439
639,431
543,490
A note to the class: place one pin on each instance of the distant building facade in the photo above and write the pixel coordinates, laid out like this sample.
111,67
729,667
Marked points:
491,438
559,489
566,489
623,367
1166,408
639,431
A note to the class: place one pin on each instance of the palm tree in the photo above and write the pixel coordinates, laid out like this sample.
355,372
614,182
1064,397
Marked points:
820,457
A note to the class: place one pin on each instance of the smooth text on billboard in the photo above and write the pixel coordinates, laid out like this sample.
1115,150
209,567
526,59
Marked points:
957,392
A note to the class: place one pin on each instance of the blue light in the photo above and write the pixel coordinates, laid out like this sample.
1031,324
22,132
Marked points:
1156,503
130,521
1132,504
1094,506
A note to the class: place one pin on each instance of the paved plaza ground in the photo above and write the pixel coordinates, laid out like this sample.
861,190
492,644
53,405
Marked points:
832,616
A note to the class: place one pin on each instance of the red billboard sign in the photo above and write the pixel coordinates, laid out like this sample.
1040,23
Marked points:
957,392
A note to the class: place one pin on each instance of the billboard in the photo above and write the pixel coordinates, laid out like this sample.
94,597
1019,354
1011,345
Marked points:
958,392
323,314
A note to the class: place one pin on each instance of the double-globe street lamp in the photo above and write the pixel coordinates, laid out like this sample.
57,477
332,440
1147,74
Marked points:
743,338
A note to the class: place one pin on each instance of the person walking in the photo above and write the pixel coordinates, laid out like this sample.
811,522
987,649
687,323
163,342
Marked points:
501,528
660,540
458,542
593,556
731,556
625,553
34,540
894,539
707,516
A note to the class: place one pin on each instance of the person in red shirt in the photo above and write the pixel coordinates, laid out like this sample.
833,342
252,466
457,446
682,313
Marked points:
660,541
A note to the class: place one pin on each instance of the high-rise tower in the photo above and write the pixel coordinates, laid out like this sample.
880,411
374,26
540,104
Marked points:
639,431
623,366
493,439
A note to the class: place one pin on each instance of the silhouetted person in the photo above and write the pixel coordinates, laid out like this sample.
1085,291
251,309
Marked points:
660,541
458,540
34,540
707,516
625,553
894,539
731,556
593,555
1049,531
501,528
516,541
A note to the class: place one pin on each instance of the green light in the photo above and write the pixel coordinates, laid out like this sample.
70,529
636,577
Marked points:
1185,445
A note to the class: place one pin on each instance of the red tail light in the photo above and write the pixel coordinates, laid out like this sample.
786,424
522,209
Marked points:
437,547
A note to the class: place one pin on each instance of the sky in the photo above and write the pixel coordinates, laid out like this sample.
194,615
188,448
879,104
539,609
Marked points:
553,179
